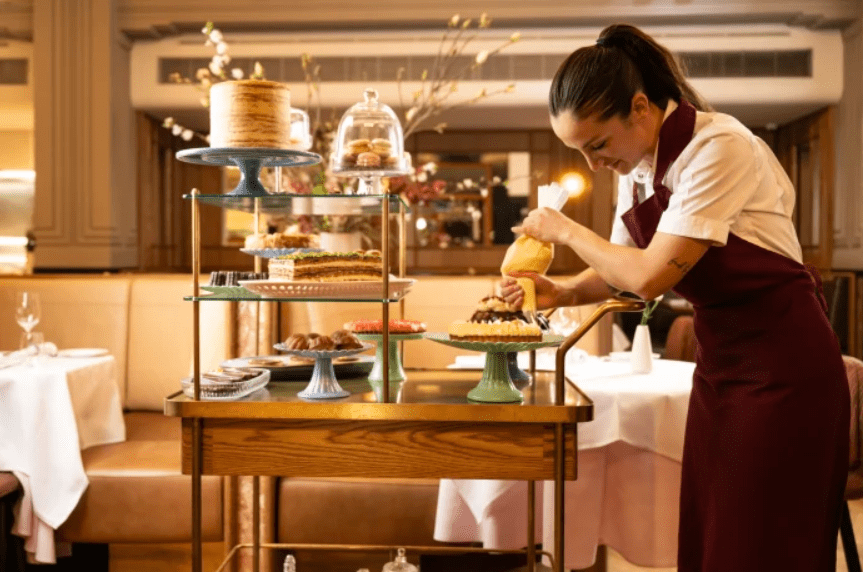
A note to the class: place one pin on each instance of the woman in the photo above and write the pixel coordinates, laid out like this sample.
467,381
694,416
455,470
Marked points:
705,208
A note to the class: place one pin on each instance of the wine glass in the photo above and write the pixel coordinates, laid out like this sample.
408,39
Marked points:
27,313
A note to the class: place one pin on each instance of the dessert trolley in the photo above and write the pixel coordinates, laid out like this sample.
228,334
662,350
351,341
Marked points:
429,430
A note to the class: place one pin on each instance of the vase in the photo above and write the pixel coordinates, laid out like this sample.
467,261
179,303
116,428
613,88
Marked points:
341,241
642,350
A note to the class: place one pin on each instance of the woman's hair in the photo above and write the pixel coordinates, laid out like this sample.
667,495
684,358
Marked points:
604,77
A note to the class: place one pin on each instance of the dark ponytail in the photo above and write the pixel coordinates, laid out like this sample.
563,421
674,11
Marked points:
603,78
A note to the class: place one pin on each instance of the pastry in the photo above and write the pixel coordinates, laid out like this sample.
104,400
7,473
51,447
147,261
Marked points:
512,331
297,342
266,362
327,266
280,240
321,343
382,147
376,326
232,278
495,321
345,340
358,146
496,309
250,113
368,160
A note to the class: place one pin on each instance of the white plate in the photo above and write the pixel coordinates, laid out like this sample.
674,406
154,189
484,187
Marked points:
626,356
83,352
332,290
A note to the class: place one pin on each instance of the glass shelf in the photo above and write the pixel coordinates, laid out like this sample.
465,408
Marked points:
305,204
276,299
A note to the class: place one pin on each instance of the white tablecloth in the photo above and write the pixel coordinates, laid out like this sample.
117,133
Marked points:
627,491
49,412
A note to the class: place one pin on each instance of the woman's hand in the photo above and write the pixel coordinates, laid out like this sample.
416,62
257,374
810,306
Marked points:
547,225
548,293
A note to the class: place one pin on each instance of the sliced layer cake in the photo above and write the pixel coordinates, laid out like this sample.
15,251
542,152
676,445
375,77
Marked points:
327,266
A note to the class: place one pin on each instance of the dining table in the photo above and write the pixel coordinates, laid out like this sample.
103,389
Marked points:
51,409
627,489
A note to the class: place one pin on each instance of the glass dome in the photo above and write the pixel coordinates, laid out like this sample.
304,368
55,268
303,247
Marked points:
301,137
370,141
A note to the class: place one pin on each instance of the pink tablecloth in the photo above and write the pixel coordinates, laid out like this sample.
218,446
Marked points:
626,495
49,412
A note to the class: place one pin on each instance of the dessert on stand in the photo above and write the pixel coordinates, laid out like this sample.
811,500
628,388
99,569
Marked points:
399,331
370,144
323,384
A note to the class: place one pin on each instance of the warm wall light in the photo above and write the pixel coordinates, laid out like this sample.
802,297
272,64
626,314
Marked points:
422,223
574,184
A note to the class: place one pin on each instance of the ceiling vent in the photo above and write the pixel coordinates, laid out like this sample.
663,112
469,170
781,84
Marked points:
767,74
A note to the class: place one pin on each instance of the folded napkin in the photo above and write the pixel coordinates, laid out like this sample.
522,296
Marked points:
20,356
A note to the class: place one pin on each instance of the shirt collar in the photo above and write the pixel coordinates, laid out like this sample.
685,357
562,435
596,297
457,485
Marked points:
644,170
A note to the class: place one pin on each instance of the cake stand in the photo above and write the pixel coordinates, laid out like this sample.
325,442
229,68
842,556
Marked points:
396,371
249,160
323,384
496,385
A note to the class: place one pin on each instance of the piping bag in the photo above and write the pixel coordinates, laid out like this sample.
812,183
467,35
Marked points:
528,254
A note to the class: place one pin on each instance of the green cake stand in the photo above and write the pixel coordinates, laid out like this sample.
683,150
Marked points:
496,385
396,370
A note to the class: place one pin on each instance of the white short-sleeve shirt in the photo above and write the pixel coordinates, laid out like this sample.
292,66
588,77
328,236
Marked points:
725,180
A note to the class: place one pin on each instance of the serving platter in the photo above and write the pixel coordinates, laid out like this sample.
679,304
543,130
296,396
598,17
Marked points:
369,289
287,370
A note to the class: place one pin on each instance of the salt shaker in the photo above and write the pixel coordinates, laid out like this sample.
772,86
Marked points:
400,564
290,563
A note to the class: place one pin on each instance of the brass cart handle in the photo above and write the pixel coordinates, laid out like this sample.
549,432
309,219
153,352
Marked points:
616,304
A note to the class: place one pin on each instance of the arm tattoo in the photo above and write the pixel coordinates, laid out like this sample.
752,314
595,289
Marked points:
684,267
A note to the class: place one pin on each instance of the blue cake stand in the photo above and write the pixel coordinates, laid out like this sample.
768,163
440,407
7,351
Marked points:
249,160
323,384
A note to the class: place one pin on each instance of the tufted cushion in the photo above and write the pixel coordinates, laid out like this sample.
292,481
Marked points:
78,311
160,338
390,512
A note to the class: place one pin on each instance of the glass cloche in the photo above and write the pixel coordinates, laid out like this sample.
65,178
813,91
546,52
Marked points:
301,137
370,141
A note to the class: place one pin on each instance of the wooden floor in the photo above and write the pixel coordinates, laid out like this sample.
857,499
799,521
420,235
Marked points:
175,558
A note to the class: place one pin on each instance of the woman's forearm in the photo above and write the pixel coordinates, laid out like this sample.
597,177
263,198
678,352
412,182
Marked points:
587,287
648,272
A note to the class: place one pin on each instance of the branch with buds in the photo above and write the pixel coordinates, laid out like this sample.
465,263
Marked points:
439,84
215,72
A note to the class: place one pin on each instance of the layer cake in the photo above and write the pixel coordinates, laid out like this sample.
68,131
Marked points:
250,113
327,266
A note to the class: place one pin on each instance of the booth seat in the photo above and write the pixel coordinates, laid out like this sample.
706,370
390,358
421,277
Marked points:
137,493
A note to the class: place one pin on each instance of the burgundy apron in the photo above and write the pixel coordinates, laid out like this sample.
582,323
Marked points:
766,449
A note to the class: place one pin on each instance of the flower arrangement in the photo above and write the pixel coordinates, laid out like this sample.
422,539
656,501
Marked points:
419,186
